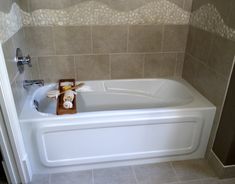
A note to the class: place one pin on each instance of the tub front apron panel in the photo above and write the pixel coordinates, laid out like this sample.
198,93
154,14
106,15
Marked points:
118,140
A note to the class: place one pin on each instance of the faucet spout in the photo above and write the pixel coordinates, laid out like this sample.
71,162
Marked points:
28,83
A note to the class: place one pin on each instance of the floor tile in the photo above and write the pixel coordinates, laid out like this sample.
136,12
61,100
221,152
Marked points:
228,181
192,170
211,181
40,179
118,175
155,173
191,182
81,177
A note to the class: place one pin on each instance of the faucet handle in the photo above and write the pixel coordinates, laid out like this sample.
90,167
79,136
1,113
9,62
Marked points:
27,60
22,60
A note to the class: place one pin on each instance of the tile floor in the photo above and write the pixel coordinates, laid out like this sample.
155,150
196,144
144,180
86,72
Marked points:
180,172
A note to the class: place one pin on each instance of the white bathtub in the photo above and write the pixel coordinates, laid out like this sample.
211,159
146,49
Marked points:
119,122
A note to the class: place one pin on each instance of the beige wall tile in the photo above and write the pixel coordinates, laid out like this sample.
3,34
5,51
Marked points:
179,64
17,97
49,4
199,43
160,65
24,4
53,68
109,39
8,49
19,41
231,18
126,5
175,38
190,69
92,67
11,69
32,73
179,3
126,66
145,38
19,93
188,5
221,55
9,54
5,6
211,84
72,39
40,41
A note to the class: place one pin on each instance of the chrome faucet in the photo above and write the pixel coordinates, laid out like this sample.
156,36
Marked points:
28,83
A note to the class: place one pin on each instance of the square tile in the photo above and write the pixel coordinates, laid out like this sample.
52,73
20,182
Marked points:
179,64
72,39
155,173
109,39
199,43
190,69
221,55
126,66
118,175
179,3
210,84
80,177
40,179
160,65
227,181
210,181
145,38
48,4
40,40
5,6
53,68
192,170
92,67
175,38
191,182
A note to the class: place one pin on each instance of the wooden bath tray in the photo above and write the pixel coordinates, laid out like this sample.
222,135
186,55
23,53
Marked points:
60,110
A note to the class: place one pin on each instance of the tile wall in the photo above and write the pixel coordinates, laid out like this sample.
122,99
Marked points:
94,52
107,52
209,56
9,50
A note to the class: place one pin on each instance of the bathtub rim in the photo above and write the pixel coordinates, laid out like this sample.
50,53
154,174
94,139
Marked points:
198,102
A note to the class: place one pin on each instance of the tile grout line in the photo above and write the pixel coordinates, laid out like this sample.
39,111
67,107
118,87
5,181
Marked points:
163,38
206,66
75,68
50,179
92,44
177,178
53,39
133,171
128,36
176,65
114,53
184,4
144,57
92,175
110,67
